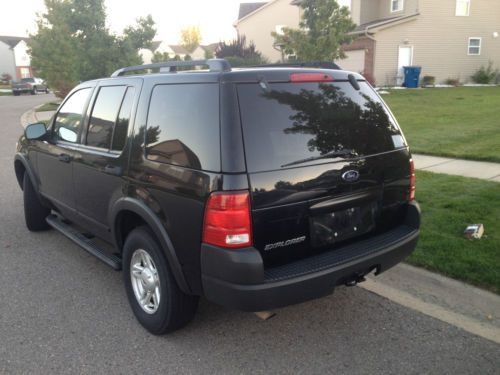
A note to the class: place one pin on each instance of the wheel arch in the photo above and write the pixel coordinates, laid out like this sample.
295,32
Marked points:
128,213
21,166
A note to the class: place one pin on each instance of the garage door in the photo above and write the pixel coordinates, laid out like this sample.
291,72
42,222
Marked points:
355,61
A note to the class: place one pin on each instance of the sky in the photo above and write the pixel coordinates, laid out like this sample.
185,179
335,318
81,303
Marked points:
215,18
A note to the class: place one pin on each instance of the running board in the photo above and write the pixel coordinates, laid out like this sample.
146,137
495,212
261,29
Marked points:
84,242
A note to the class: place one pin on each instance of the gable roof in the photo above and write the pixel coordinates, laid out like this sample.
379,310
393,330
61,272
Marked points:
155,44
12,41
247,8
178,49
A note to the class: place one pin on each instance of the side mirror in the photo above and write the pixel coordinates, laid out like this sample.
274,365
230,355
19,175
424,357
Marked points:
68,135
35,131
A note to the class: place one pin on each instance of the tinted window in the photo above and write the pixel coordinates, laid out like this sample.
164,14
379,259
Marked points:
183,126
120,132
289,122
70,115
104,115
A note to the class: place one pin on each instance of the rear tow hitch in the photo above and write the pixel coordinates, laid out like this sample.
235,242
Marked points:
355,280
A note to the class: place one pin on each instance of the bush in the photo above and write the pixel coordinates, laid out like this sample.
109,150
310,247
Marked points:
428,80
237,61
485,75
452,81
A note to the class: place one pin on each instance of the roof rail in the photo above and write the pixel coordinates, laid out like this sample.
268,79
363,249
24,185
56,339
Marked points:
214,65
305,64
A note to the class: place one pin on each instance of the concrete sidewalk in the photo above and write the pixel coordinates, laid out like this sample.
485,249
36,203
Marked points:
459,167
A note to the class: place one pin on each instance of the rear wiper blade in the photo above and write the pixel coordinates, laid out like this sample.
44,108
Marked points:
346,154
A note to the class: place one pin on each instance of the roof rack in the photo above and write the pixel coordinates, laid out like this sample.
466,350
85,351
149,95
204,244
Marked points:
306,64
214,65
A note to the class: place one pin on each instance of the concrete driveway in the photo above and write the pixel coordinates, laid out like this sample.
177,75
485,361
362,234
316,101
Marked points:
62,311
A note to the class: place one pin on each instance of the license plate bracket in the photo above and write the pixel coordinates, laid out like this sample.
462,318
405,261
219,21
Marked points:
336,226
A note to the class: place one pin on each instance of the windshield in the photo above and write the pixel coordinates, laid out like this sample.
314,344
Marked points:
286,124
27,80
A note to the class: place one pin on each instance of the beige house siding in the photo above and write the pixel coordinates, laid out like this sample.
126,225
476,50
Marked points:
440,40
257,27
369,11
409,7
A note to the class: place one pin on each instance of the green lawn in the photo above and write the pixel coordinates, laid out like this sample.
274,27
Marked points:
2,93
462,122
50,106
448,204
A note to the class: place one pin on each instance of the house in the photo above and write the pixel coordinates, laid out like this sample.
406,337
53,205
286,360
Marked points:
447,38
14,58
256,21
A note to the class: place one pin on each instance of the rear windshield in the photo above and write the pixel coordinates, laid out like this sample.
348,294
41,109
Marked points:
285,123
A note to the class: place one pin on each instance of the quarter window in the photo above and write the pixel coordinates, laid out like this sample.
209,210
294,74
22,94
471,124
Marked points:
183,126
474,47
69,118
104,115
396,5
462,8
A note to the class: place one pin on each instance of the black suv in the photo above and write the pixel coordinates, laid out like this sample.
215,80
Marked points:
256,188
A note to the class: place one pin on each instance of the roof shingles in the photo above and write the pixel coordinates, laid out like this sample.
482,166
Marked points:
247,8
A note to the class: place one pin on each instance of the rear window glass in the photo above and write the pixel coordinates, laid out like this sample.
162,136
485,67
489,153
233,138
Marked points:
289,122
183,126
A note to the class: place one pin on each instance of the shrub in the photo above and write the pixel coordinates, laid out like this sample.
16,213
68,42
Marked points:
485,75
428,80
452,81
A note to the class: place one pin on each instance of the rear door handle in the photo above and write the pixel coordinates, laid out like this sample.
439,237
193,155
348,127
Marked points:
113,170
65,158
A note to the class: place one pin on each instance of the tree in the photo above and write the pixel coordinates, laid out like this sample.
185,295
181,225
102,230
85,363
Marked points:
191,38
160,57
73,44
238,53
323,29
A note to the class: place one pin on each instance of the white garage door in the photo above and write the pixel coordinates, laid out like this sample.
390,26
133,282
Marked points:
355,61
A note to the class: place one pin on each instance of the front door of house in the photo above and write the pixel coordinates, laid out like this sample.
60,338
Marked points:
405,58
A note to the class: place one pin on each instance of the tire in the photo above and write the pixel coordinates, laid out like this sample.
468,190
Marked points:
33,91
173,309
46,90
34,212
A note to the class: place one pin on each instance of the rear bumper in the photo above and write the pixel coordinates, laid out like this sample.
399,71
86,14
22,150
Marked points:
237,279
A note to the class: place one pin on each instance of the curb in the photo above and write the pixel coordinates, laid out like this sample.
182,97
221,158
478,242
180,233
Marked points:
28,117
464,306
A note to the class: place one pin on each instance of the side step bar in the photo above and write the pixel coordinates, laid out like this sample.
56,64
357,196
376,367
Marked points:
84,242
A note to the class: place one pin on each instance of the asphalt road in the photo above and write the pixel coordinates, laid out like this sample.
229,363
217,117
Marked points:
62,311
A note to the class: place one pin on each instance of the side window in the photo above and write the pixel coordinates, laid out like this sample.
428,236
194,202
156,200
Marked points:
183,126
121,127
69,118
104,115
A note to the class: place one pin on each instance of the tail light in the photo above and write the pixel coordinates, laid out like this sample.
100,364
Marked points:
227,220
411,196
310,77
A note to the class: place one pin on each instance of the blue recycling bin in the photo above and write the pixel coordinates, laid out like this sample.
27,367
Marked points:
412,75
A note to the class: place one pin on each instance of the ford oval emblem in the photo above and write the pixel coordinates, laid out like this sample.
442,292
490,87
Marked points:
350,176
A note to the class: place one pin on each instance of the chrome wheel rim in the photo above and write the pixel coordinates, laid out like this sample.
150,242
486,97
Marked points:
145,281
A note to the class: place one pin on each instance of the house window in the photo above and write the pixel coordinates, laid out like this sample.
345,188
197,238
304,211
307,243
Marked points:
396,5
463,8
474,46
25,73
